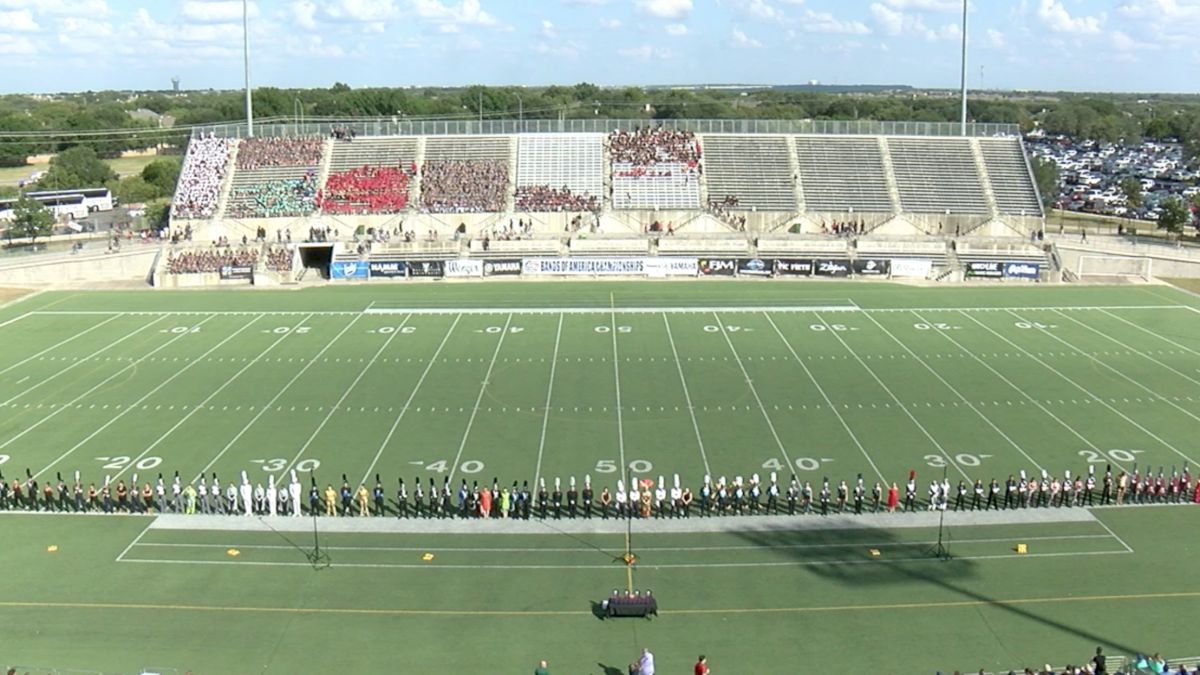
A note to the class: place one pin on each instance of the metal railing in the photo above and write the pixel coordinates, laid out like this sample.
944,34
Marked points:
385,126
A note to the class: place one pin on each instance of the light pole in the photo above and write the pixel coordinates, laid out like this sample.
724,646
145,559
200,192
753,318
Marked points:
520,108
246,59
964,69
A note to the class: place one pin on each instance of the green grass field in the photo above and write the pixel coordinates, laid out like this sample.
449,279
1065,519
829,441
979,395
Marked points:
521,381
123,166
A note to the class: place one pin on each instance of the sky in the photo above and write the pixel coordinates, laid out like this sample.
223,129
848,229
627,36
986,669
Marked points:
1093,45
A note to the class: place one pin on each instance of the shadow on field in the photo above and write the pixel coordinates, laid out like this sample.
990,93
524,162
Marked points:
842,556
610,670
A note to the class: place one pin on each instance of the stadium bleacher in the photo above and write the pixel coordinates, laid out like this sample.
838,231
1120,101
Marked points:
571,163
275,177
753,169
937,175
1010,177
466,174
840,174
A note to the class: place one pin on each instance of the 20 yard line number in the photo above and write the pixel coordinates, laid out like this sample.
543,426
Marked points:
121,462
1118,455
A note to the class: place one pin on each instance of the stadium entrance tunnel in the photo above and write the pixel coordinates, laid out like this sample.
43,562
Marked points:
317,257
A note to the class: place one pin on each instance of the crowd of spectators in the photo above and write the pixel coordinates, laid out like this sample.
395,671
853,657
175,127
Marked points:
845,228
723,209
209,261
343,133
464,186
261,153
367,189
279,259
546,198
199,186
276,198
652,145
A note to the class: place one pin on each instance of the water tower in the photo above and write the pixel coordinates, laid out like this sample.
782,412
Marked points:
175,84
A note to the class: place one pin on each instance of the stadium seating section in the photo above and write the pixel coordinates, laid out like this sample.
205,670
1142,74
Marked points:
200,179
560,172
754,170
937,175
276,177
466,174
838,174
1011,180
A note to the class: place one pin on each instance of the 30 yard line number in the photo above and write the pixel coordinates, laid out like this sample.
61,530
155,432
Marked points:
278,464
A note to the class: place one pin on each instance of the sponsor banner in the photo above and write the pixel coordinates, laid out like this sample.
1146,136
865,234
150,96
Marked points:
992,269
496,268
794,268
351,269
831,268
237,271
584,266
426,268
754,267
717,266
1022,270
464,268
872,267
387,269
918,268
671,267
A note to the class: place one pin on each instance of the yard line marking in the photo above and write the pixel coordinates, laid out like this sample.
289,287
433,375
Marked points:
537,471
82,360
1134,351
1150,332
901,406
200,406
1022,392
345,394
590,550
1114,535
59,344
617,380
112,420
664,566
686,395
97,386
1081,388
411,396
828,401
487,376
264,408
127,549
957,393
1132,381
472,612
16,319
753,390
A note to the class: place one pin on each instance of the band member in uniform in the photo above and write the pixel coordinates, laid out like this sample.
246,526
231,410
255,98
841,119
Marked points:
434,500
754,494
993,496
64,503
122,496
645,501
283,500
893,498
542,497
572,499
859,493
147,498
347,496
706,497
605,502
622,500
176,493
189,500
526,497
793,494
977,495
363,497
4,503
1106,493
773,495
1089,486
260,499
401,500
463,494
218,500
910,492
314,498
806,497
876,497
842,494
202,496
379,497
419,499
272,496
685,502
485,503
556,499
660,498
447,497
586,504
1010,487
961,496
825,497
331,497
91,497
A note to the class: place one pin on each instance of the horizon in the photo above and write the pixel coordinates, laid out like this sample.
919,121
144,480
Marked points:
1084,46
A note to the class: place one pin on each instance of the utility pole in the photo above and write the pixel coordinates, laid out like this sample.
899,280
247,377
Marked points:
964,69
246,58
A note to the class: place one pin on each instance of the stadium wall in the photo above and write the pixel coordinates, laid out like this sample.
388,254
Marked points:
80,268
1166,262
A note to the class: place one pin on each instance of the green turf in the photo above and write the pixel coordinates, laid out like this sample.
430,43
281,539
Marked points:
982,382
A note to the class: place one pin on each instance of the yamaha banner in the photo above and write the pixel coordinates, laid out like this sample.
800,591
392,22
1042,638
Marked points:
351,269
671,267
831,268
426,268
754,267
916,268
496,268
237,271
992,269
794,268
718,267
458,267
872,267
388,269
1022,270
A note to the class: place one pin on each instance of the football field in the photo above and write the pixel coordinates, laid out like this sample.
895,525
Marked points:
532,381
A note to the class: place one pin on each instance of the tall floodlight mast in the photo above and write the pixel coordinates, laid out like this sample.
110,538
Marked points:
246,59
964,69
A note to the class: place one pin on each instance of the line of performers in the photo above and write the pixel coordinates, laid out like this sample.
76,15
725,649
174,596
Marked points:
641,498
